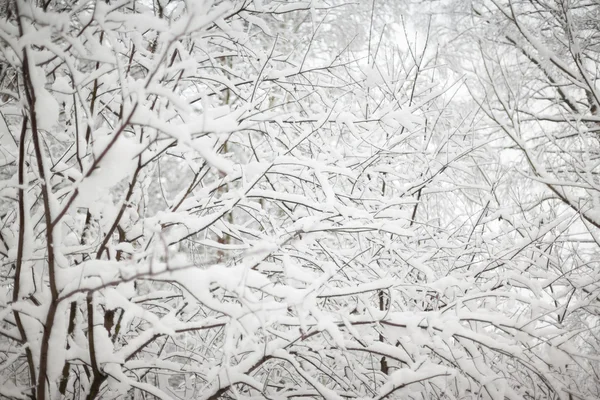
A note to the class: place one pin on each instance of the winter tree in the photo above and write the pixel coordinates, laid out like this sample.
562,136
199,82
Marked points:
278,199
538,88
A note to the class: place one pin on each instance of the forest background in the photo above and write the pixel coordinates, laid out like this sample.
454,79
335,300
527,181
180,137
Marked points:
256,199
